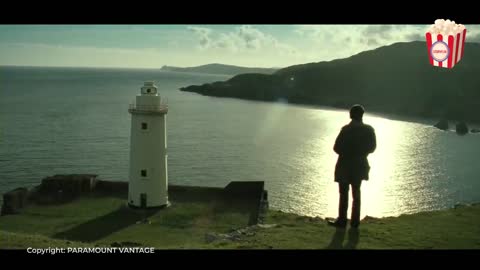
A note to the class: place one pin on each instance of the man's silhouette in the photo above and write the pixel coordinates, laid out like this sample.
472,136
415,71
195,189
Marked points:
355,141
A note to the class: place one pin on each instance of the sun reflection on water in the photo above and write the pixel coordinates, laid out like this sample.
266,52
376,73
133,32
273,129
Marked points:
393,187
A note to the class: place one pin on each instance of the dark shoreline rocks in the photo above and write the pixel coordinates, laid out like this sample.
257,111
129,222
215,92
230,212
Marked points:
461,128
442,124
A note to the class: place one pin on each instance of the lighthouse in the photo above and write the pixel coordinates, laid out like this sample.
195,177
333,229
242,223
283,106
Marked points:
148,174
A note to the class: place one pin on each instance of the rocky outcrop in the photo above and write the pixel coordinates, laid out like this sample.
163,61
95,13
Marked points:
461,128
74,183
64,188
14,201
236,235
442,124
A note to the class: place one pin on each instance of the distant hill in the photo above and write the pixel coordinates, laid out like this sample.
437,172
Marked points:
220,69
395,79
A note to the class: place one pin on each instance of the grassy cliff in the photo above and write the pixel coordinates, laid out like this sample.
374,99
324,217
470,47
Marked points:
107,222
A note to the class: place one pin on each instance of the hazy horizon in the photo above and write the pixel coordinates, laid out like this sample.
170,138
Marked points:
153,46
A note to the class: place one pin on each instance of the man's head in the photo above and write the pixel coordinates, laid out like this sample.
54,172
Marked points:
356,112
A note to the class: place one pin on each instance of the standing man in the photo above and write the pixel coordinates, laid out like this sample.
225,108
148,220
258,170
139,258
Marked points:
354,143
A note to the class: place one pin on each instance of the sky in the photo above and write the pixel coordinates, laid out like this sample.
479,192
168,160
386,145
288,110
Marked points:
152,46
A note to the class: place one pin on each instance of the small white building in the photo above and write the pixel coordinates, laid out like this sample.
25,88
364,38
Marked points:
148,176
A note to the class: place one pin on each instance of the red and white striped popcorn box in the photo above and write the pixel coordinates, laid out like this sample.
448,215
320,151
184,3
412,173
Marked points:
445,50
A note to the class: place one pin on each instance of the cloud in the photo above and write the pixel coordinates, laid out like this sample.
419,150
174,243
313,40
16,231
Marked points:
473,33
203,34
377,34
285,48
228,41
380,35
252,37
302,43
415,37
381,31
372,42
244,38
474,38
344,40
247,45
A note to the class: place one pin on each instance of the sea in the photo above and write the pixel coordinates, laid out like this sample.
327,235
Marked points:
57,120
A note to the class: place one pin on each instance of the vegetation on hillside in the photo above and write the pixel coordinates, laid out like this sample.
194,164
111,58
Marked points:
394,79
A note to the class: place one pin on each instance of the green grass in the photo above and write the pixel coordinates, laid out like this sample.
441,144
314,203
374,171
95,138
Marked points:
103,221
446,229
11,240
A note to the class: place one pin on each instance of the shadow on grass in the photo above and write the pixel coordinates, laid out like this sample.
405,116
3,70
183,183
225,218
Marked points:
245,207
232,201
339,237
220,209
103,226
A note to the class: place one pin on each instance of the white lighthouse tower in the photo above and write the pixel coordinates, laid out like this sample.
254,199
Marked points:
148,186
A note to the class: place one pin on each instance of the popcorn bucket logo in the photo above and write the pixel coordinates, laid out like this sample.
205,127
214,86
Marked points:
440,51
445,42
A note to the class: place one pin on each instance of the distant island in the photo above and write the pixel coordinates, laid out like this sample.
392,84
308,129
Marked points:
395,79
220,69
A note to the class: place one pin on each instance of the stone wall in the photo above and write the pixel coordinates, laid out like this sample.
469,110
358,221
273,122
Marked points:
53,189
14,200
65,188
111,187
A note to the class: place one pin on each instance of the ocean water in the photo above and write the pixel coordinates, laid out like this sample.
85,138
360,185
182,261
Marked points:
76,120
